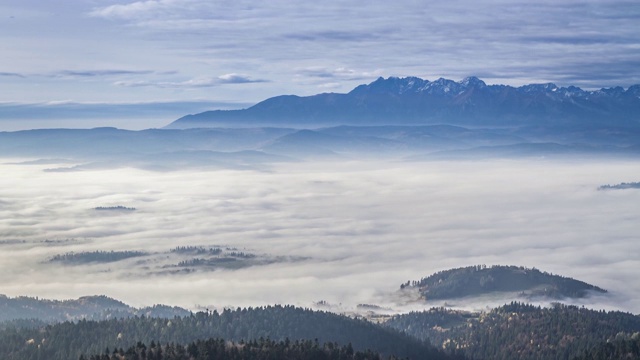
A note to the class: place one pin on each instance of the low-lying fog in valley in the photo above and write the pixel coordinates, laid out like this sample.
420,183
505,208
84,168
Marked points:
346,233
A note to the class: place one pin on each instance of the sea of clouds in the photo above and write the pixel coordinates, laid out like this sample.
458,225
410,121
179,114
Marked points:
349,232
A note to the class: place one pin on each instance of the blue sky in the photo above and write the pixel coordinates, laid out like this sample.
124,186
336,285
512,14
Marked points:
228,54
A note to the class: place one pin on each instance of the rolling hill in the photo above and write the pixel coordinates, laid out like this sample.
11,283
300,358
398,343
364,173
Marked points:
480,280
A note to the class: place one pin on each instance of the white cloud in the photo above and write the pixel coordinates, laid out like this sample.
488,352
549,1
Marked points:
192,83
366,227
234,78
333,85
141,9
199,82
339,73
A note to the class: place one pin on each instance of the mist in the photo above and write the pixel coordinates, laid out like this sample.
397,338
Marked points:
345,232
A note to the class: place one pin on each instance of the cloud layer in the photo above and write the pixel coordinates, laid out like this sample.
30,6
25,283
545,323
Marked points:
182,49
195,83
365,228
127,115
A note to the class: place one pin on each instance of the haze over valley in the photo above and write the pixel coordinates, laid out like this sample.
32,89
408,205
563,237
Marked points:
334,217
187,179
431,232
347,232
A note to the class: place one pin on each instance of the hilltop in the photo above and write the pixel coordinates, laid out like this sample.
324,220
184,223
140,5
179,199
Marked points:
481,280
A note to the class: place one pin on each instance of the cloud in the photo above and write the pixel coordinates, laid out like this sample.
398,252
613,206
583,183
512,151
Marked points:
237,79
11,74
140,9
181,14
194,83
124,115
337,73
333,85
334,79
342,36
593,39
97,73
365,227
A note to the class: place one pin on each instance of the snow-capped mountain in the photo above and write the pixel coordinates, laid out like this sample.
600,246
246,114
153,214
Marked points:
415,101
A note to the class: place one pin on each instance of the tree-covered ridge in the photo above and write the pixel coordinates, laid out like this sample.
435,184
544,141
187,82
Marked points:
219,349
477,280
74,258
37,310
69,340
621,186
215,257
623,347
197,250
181,259
517,331
114,208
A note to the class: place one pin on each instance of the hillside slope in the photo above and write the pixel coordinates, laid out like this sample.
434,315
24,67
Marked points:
518,331
70,340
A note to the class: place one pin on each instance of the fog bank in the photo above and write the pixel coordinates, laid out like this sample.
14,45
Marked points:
346,233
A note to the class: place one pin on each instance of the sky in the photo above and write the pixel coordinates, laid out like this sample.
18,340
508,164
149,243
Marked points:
111,58
351,232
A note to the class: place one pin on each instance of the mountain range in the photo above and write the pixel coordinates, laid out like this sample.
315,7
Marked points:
414,101
394,118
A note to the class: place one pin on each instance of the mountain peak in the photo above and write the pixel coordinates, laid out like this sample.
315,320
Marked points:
472,81
412,100
539,88
391,85
411,84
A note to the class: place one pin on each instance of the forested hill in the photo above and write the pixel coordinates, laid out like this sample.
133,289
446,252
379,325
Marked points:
519,331
479,280
71,340
623,347
219,349
86,307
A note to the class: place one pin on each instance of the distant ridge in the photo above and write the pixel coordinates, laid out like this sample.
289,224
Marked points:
87,307
414,101
621,186
114,208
